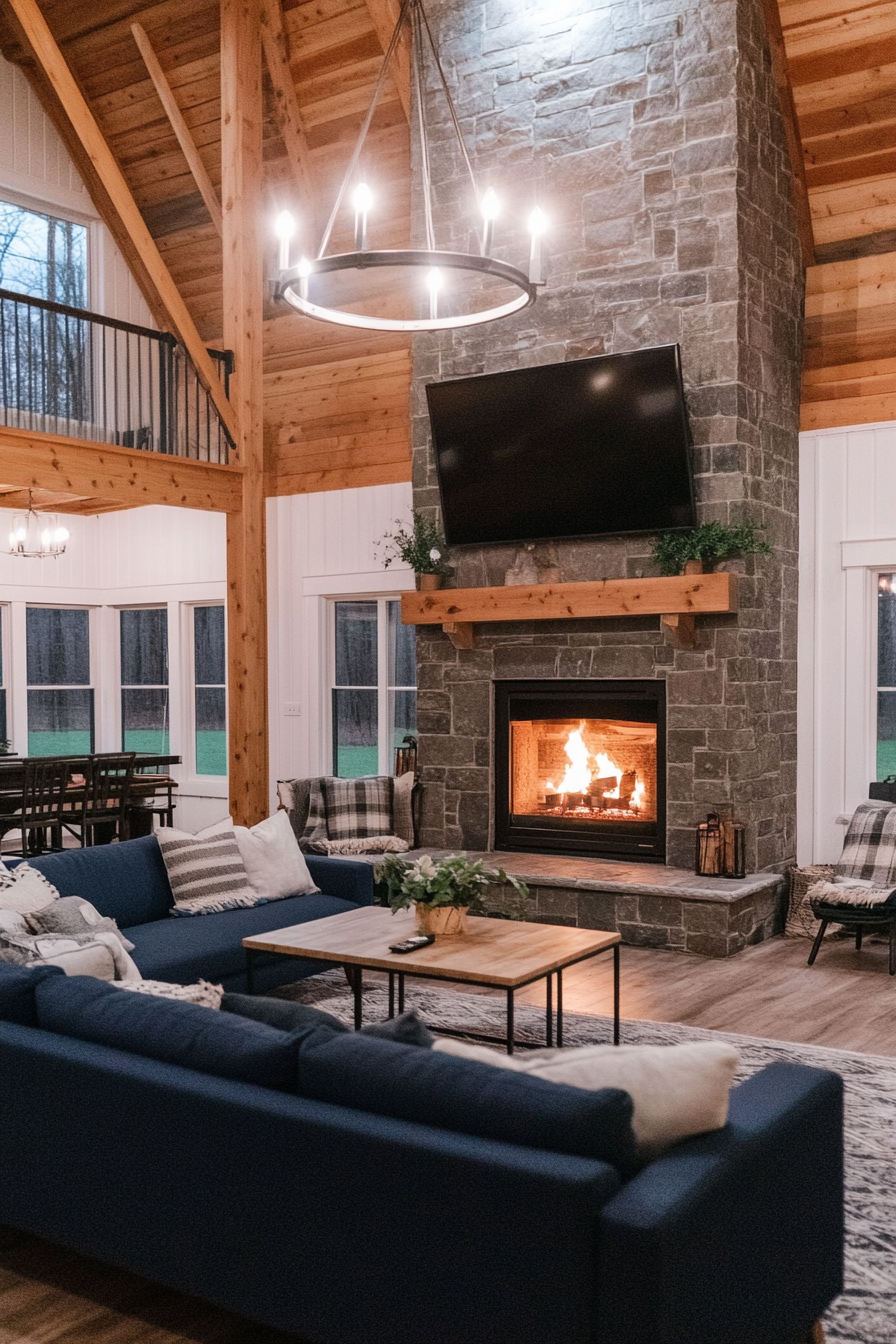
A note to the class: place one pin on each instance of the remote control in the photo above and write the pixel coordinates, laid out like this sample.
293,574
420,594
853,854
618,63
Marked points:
412,944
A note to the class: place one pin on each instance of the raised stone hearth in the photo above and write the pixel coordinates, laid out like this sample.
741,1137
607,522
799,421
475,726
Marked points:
651,136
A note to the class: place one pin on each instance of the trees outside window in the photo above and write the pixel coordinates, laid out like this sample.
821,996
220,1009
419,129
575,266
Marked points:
373,695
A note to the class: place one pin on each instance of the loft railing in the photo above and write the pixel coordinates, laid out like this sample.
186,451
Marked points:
69,372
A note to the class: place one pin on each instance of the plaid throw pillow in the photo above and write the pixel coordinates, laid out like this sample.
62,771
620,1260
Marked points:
206,873
358,808
869,850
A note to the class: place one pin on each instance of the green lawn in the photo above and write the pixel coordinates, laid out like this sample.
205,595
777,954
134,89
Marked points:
886,759
354,761
145,741
77,743
211,753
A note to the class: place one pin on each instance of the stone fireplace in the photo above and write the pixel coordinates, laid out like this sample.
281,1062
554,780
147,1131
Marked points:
651,137
580,767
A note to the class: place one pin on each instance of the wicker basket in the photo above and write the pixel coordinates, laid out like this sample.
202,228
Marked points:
801,923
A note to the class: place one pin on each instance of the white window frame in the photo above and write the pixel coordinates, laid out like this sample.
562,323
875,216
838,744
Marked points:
385,749
94,665
211,786
121,686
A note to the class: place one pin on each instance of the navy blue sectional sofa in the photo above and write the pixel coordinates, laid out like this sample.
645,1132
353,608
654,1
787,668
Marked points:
376,1193
129,883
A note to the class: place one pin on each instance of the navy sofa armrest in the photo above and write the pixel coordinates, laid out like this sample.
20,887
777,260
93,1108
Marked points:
735,1237
342,877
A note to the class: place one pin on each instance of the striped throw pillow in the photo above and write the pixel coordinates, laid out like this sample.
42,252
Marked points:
206,872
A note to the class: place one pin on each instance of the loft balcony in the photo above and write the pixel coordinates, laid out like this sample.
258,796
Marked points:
77,375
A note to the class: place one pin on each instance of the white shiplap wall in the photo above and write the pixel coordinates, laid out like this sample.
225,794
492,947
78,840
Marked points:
847,534
320,546
36,171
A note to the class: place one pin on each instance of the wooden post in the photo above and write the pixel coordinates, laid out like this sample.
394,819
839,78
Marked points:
241,199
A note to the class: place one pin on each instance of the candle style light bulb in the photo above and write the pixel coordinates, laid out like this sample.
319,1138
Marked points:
434,280
491,208
284,227
363,200
537,225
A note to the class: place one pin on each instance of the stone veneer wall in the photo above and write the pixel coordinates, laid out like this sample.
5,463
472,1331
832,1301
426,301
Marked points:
649,132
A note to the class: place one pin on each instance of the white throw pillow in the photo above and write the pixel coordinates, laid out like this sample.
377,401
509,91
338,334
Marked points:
25,889
677,1090
274,863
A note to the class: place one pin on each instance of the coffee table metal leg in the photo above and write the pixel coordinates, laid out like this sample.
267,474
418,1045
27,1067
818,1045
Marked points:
549,1014
357,985
616,994
391,993
559,1008
510,1021
250,979
401,991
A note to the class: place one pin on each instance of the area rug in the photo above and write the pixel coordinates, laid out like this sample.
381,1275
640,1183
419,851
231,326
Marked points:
866,1312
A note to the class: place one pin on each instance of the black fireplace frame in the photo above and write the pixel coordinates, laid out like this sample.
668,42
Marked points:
638,700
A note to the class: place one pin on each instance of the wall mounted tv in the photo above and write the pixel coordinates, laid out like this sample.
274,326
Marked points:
587,448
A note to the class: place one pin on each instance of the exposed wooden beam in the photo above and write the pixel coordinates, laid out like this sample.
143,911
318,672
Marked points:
275,44
179,126
72,101
75,467
851,249
241,190
781,74
384,16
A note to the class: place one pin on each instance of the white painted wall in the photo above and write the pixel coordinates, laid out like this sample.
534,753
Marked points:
36,171
320,546
847,534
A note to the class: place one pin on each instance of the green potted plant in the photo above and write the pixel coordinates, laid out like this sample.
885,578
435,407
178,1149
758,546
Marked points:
691,550
420,546
443,891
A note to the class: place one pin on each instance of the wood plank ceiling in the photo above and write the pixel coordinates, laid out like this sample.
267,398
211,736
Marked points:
336,400
841,57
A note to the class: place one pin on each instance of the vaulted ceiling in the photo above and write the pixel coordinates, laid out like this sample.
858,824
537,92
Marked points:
336,399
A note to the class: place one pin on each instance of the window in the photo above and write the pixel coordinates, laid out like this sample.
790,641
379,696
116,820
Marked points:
209,679
60,694
4,734
45,364
374,697
144,680
886,675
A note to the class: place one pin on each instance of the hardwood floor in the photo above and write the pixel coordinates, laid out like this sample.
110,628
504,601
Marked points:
846,1001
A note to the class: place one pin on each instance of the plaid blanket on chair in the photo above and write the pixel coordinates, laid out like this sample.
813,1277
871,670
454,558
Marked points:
869,850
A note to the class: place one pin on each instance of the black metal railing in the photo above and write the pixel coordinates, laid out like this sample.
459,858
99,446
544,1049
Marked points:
65,371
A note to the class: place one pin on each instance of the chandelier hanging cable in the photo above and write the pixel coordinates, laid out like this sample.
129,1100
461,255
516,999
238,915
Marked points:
35,536
299,284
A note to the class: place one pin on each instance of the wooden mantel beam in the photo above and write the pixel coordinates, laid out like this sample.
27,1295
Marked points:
131,478
53,65
241,195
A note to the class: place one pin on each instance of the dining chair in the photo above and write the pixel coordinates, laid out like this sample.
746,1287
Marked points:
104,803
40,814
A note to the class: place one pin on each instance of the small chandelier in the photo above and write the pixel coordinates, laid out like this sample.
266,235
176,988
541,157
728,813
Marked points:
37,535
300,284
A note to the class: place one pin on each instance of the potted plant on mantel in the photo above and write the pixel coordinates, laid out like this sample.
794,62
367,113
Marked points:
693,549
421,547
443,891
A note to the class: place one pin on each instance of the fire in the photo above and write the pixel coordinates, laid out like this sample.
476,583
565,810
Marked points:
578,775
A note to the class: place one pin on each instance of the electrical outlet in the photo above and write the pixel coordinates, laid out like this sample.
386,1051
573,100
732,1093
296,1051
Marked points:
293,711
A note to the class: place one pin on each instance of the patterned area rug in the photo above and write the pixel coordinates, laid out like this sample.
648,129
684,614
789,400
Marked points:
866,1313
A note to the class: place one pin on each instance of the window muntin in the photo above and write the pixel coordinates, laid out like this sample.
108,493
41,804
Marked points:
374,686
210,689
886,675
145,707
60,693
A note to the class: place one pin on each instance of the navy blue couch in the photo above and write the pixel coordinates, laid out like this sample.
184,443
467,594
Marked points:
344,1224
129,883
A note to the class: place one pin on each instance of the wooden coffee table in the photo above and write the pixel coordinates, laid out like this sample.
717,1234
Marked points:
504,954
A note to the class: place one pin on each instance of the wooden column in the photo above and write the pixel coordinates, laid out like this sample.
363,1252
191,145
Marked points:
241,201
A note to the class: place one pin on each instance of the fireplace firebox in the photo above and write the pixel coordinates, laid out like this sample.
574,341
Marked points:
580,767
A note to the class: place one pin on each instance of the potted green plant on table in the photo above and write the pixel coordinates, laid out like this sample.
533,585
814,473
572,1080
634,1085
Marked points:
691,550
421,546
443,891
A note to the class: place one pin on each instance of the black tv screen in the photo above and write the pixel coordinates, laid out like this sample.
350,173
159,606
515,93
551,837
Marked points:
587,448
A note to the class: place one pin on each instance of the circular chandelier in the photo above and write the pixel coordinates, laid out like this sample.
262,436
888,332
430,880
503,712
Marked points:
35,536
301,284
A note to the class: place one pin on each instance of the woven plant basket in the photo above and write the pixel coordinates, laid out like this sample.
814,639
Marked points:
801,923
